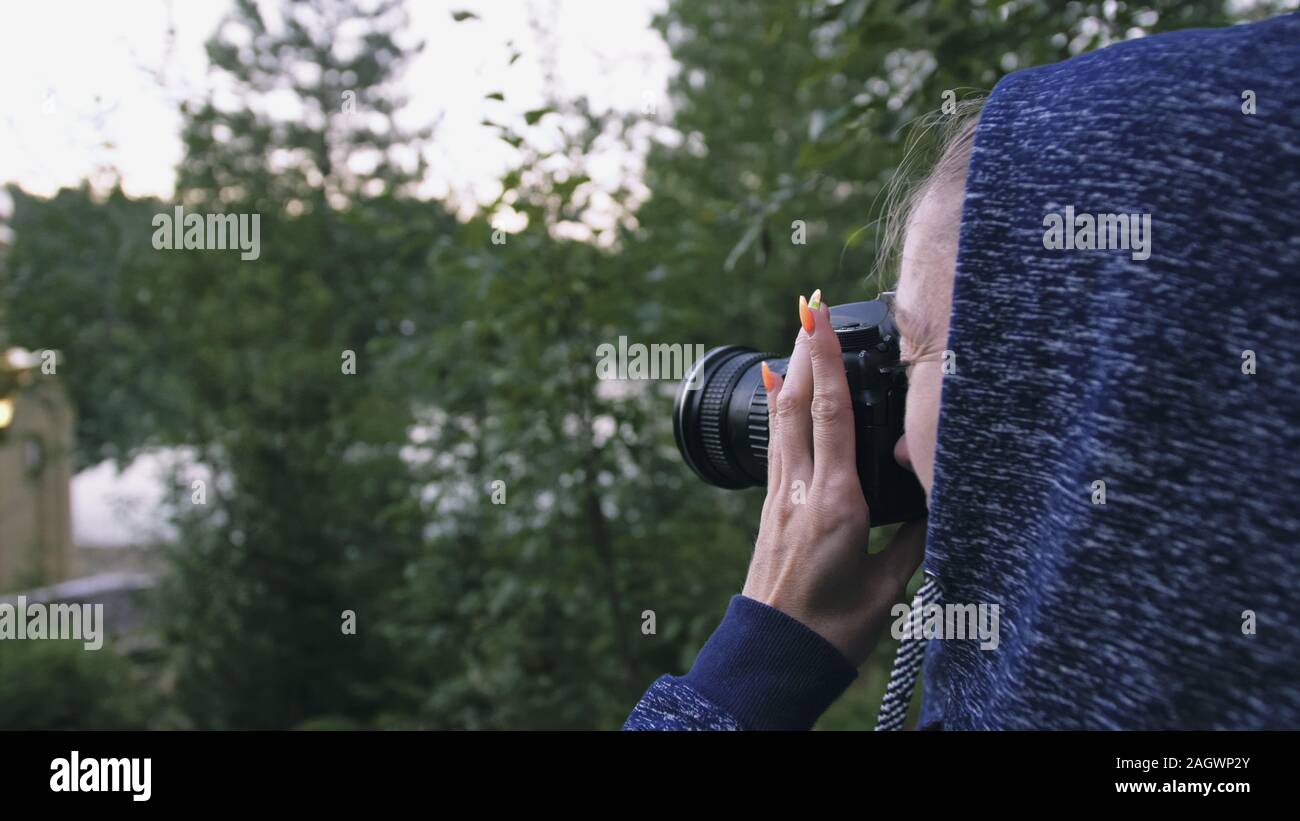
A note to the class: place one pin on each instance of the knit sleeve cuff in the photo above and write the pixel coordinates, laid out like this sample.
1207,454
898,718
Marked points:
768,670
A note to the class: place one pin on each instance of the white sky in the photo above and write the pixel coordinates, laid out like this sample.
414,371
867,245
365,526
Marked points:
82,82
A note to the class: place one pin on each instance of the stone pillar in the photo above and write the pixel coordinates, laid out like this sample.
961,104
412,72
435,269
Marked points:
36,459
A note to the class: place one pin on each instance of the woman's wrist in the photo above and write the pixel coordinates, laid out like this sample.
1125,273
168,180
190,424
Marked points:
768,669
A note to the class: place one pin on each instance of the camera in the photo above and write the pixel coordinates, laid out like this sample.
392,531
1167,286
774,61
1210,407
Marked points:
720,413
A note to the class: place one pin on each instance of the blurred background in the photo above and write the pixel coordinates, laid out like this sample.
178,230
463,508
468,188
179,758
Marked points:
464,201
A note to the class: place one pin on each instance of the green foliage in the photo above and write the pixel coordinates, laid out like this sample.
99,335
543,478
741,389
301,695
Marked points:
475,357
82,279
58,685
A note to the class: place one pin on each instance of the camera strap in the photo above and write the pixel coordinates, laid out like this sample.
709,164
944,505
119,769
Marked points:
907,664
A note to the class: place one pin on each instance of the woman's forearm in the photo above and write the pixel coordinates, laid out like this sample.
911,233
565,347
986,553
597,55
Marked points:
760,670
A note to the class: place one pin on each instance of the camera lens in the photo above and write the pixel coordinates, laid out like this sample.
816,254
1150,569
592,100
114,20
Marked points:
720,416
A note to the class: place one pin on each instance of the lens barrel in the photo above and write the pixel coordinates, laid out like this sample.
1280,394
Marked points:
726,448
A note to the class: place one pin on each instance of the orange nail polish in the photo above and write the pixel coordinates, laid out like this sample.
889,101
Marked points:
769,381
806,315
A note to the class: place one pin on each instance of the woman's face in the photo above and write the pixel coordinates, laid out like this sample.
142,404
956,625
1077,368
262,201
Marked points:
921,308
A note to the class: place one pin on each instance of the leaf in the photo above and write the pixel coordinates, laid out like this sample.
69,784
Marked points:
462,16
531,117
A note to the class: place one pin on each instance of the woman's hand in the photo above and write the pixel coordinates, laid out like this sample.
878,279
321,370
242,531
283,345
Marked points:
811,559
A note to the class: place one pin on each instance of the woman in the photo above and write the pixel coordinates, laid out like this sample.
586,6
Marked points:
1111,468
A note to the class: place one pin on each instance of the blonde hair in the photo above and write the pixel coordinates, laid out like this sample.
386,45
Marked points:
956,139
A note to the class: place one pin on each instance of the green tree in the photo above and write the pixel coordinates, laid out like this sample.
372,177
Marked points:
310,510
315,511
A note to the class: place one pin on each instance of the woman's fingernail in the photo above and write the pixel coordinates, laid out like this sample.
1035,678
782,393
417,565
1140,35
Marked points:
769,381
816,301
806,316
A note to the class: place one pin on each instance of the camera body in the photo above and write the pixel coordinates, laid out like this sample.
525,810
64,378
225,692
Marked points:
720,414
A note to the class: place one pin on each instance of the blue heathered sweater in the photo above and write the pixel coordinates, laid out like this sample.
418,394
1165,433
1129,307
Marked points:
1174,603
